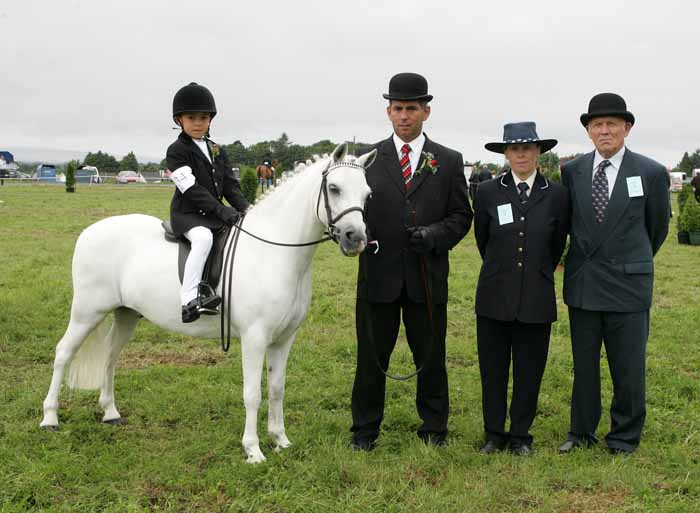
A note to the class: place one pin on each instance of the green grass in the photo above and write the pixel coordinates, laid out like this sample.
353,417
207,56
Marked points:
182,398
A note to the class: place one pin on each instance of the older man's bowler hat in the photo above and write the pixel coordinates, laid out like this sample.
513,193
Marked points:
520,133
607,104
408,87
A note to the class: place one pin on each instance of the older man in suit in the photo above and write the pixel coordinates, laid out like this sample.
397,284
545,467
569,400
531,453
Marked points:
619,221
418,211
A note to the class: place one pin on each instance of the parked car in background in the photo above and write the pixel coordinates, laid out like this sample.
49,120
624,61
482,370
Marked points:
45,173
677,180
88,174
130,177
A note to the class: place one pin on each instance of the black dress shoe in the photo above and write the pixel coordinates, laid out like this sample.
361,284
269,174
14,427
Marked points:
362,444
491,447
190,311
573,443
520,449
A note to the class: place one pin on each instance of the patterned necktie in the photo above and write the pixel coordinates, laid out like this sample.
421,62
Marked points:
600,191
405,163
523,187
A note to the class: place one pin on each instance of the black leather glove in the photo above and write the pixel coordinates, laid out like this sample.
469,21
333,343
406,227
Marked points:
421,239
228,215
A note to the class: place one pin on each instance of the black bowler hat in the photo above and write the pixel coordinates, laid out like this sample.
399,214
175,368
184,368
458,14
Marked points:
607,104
520,133
408,87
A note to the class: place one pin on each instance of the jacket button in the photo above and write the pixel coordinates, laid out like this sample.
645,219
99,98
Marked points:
520,250
520,264
522,218
521,234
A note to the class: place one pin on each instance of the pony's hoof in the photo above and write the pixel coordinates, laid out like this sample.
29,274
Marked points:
51,429
282,446
115,422
256,458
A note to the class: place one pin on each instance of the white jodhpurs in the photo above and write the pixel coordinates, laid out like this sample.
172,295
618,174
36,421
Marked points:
201,240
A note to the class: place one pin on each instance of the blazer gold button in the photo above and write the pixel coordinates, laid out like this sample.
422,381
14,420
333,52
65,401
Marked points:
521,234
520,264
520,249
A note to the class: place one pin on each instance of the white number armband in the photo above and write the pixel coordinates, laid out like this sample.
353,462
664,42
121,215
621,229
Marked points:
183,178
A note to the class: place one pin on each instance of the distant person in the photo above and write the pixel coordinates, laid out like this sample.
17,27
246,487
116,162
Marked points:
695,182
418,211
521,221
202,176
473,182
484,174
620,220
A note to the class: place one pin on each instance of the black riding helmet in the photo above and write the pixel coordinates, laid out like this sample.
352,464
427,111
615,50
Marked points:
193,98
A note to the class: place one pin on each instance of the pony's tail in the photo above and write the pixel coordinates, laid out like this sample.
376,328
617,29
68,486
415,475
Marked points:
87,369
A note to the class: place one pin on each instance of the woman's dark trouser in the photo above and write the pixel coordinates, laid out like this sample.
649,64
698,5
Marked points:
528,345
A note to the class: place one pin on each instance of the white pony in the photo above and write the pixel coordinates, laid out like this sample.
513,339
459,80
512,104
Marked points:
114,271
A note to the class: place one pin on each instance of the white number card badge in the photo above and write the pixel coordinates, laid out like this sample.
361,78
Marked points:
634,186
505,214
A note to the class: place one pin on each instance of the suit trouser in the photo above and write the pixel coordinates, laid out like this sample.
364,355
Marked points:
432,399
529,345
625,336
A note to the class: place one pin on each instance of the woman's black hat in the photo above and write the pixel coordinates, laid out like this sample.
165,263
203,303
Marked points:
408,87
607,104
521,133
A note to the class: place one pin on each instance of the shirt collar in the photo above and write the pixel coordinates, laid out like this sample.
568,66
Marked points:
615,160
530,180
416,144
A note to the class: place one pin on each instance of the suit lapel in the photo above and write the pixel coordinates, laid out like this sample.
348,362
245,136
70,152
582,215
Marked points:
507,187
540,187
417,181
583,189
390,160
195,149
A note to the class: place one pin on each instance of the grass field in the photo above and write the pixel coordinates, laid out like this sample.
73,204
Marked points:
182,399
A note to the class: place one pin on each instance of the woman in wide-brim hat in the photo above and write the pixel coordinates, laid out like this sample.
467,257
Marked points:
521,221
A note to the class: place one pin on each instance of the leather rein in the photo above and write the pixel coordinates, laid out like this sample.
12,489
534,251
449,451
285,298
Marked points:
332,233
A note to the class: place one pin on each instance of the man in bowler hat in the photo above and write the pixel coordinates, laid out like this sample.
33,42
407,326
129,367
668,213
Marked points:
620,217
417,212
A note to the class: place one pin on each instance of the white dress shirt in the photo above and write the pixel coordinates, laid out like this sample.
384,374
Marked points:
610,171
530,181
202,144
416,149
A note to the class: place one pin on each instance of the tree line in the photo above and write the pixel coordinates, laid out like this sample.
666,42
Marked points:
285,154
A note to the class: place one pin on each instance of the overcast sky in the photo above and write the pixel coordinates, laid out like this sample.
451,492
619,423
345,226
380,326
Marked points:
98,74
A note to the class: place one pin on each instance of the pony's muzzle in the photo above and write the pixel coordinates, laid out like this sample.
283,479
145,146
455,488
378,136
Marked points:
353,242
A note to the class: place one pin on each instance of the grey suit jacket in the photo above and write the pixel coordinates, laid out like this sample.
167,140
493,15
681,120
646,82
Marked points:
610,266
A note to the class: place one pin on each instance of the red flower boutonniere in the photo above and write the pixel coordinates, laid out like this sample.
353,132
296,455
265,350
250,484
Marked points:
430,163
214,150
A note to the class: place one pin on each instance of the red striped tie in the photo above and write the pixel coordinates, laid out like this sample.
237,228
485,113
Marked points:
405,163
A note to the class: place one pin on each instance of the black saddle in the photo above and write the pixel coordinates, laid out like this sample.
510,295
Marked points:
212,269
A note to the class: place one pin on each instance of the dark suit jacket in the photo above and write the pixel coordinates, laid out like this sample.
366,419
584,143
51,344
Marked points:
437,200
519,258
198,205
609,267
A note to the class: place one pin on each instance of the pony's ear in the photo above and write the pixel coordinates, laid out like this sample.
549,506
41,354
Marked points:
367,159
339,153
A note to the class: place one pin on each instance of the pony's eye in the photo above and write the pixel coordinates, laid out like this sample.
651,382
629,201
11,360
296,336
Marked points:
334,189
